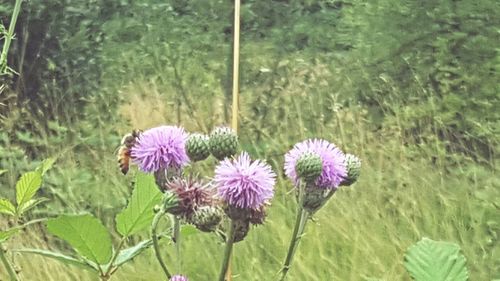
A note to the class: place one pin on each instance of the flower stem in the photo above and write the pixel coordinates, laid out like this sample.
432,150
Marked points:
111,269
10,269
156,246
177,241
228,250
328,196
298,230
9,35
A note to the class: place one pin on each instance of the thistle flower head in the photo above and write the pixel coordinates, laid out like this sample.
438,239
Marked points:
244,183
178,278
160,148
333,162
191,194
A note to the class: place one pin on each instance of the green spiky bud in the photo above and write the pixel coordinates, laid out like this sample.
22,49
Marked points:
197,147
353,165
223,142
309,167
207,218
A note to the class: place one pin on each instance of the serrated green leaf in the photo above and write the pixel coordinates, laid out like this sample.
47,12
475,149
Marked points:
6,207
46,165
27,186
59,257
430,260
128,254
5,235
85,234
139,212
31,204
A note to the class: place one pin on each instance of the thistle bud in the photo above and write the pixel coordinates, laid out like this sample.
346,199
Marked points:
178,278
190,193
241,230
223,142
314,198
197,147
207,218
353,165
309,167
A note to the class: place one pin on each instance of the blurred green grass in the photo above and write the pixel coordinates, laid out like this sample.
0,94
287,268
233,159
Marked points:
361,234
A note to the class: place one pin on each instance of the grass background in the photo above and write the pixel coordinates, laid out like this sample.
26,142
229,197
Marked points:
419,110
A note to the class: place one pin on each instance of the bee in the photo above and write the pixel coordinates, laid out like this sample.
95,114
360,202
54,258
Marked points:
128,141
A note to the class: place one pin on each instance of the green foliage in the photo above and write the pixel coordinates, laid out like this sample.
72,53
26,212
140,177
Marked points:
6,207
85,234
60,257
5,235
139,212
128,254
430,260
31,204
27,186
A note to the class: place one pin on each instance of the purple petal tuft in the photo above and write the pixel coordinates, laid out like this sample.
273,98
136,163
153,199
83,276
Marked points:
178,278
160,148
334,167
244,183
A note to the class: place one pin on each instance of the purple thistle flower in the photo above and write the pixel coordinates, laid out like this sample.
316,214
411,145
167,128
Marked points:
160,148
178,278
334,168
244,183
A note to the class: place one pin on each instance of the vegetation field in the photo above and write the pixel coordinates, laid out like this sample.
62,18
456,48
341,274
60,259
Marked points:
411,87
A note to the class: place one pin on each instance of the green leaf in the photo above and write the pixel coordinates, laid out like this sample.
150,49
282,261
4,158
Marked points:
139,212
85,234
128,254
430,260
46,165
188,230
5,235
3,171
27,186
6,207
59,257
31,204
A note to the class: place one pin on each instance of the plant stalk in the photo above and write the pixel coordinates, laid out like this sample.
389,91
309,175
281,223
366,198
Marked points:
8,266
10,269
298,231
156,246
110,270
177,241
9,36
228,250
